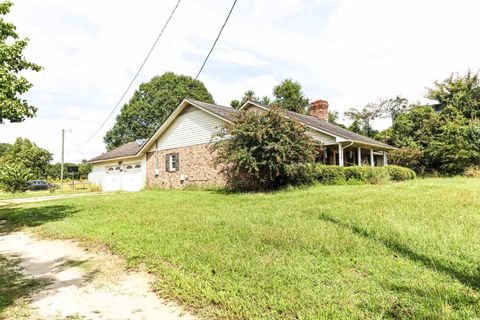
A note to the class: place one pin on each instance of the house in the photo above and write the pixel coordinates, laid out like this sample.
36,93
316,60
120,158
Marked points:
179,152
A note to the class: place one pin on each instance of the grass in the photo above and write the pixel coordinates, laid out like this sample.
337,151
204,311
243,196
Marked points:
15,290
67,189
396,251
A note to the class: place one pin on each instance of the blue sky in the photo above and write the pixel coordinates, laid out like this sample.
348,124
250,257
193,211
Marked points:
348,52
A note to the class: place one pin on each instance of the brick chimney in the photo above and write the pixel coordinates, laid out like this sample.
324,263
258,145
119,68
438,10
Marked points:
319,109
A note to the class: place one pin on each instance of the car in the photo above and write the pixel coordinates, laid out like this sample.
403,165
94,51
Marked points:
38,185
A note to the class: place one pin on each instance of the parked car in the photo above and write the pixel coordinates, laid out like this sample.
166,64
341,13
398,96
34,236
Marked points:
38,185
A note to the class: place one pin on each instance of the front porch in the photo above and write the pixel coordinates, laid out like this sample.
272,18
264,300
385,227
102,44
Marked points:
352,154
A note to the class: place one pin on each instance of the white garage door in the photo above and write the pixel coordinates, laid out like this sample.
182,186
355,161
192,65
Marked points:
127,177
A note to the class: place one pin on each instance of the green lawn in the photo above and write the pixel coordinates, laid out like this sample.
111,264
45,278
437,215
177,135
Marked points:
67,189
398,251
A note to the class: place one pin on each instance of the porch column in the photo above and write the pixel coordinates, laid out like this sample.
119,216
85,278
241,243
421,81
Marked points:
340,155
359,156
372,161
385,158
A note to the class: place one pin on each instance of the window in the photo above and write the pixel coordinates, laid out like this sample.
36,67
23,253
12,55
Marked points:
172,162
138,166
129,167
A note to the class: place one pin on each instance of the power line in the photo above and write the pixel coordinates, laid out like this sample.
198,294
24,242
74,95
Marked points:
216,40
135,77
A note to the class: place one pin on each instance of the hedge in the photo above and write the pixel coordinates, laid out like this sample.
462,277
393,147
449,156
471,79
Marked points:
361,174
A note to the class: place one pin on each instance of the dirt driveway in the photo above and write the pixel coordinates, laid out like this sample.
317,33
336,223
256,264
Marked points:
84,285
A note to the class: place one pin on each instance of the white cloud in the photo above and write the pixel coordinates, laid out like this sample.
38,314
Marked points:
347,51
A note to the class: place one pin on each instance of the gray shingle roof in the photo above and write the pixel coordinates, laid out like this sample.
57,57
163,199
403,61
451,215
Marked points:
230,114
334,129
227,113
128,149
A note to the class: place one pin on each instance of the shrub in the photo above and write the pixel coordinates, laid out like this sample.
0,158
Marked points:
330,174
361,174
412,158
265,152
372,175
14,177
473,172
398,173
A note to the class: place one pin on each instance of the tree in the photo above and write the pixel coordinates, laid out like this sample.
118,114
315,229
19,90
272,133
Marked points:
14,177
362,120
289,95
12,62
29,155
459,92
249,95
150,106
265,152
4,148
392,108
333,117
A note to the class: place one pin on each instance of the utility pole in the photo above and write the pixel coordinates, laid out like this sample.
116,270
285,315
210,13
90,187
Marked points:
63,153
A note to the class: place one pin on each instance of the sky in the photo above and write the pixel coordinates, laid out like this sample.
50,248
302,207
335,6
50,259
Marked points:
347,52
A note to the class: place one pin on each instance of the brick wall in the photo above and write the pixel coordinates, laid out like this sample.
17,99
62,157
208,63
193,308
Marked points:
195,164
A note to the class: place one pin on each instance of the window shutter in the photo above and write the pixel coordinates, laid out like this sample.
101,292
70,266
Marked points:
177,163
167,162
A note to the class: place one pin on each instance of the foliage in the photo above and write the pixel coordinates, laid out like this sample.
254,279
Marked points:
408,157
367,174
327,174
151,105
288,94
29,155
473,172
362,120
249,95
12,63
14,177
398,173
265,152
340,252
392,107
4,148
53,171
459,92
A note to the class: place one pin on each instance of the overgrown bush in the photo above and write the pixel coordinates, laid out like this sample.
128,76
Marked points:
398,173
473,172
14,177
412,158
361,174
265,152
372,175
330,174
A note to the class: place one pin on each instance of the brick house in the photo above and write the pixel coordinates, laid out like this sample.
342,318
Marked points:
179,152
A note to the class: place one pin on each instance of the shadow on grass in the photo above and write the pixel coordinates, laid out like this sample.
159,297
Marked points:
469,280
13,218
14,285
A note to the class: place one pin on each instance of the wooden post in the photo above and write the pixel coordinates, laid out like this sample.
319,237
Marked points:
372,161
359,156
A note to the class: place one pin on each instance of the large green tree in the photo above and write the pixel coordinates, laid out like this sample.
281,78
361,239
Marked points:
265,152
150,106
362,120
461,92
289,95
29,155
12,62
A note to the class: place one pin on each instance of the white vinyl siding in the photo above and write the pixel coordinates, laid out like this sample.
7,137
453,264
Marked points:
193,126
322,137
